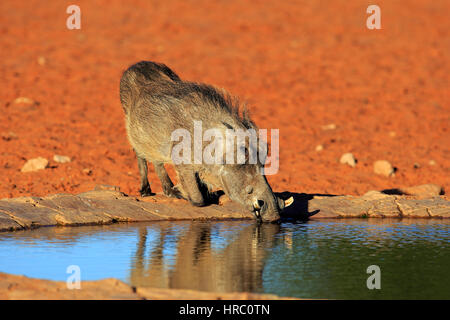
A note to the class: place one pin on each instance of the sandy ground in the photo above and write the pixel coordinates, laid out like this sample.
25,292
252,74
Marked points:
300,65
14,287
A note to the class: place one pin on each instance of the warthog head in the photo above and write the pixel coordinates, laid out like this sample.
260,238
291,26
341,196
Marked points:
247,186
243,180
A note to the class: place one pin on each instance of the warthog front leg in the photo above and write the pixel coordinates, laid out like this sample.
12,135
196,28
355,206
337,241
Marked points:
168,188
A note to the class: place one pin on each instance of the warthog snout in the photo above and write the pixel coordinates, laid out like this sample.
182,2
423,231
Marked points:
269,211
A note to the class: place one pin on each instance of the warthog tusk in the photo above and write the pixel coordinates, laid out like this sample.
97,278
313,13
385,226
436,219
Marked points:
256,205
288,202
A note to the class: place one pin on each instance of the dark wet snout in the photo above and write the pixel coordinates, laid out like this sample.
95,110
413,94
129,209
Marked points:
266,209
269,211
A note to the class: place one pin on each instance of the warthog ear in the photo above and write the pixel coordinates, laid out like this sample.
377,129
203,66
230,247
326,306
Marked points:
227,125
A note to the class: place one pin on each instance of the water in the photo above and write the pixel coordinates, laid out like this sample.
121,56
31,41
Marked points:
315,259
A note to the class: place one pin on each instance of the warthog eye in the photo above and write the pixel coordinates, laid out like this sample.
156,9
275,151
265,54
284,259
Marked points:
227,125
249,189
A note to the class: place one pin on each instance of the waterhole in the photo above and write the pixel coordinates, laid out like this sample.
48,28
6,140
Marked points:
314,259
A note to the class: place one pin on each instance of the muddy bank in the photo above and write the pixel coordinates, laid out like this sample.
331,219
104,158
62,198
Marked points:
110,206
14,287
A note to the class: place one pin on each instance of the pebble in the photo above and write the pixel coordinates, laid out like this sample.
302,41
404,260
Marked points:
41,60
348,158
61,159
9,136
330,126
23,100
374,195
384,168
319,147
34,165
424,190
106,187
432,163
87,171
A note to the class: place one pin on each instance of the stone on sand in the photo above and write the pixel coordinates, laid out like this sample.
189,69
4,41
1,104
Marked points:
35,164
424,190
99,187
41,60
330,126
348,158
23,100
384,168
61,159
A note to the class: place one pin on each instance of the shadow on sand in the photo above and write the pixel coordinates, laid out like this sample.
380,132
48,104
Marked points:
299,209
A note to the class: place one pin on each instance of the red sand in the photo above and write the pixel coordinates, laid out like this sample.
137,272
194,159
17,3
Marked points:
299,66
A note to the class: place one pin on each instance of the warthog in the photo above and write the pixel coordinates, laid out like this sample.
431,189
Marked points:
156,103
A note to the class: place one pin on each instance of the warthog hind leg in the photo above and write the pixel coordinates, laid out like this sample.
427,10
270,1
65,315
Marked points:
190,184
145,189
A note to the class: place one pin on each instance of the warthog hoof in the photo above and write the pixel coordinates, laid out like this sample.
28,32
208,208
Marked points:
173,192
146,191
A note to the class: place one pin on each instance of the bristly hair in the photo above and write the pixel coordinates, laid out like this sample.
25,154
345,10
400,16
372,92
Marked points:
221,98
159,82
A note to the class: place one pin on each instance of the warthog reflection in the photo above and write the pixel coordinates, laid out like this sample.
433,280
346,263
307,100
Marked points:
198,266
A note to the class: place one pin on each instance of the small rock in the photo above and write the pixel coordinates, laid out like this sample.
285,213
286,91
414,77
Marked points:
61,159
319,147
330,126
41,60
87,171
392,134
23,100
424,190
374,195
35,165
416,165
348,158
9,136
432,163
383,167
106,187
